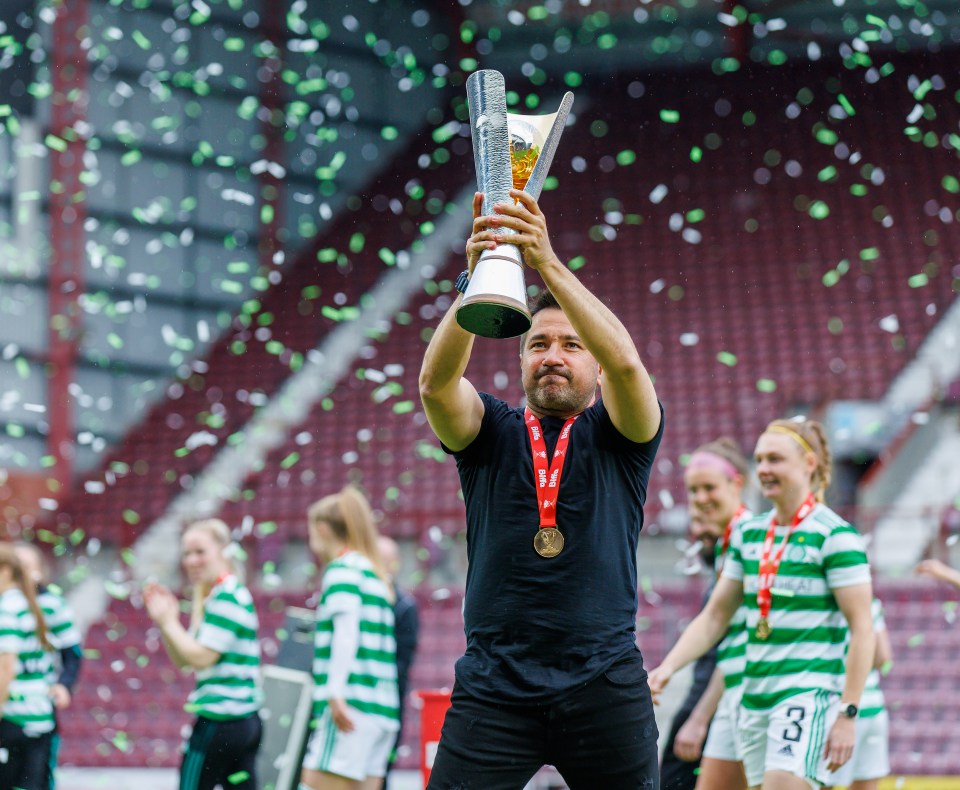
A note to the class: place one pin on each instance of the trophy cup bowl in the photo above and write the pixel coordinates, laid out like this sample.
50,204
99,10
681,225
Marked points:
509,151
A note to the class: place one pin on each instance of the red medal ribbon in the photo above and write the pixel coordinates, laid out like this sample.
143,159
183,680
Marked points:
546,480
769,566
726,536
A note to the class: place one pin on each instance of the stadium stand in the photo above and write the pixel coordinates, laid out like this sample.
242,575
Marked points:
804,319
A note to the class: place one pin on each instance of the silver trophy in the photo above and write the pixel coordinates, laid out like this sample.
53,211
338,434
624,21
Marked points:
509,150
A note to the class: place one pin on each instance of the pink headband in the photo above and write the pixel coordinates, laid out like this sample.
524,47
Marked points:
704,459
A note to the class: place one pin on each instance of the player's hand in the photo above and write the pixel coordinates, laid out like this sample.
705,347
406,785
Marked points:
340,712
840,742
658,679
530,226
60,695
934,569
161,604
688,744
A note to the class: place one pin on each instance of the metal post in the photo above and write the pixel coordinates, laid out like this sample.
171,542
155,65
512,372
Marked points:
68,69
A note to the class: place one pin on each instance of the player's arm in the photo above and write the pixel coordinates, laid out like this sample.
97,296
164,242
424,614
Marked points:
628,391
8,670
183,649
854,601
704,631
939,571
883,653
451,403
191,653
688,744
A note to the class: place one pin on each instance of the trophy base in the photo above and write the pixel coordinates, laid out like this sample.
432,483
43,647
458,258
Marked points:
489,317
495,303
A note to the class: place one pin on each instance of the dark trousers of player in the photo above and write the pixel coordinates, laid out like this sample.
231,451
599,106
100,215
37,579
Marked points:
222,753
601,735
24,759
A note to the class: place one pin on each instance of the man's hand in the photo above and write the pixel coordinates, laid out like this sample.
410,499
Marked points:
527,220
482,239
688,745
340,712
840,742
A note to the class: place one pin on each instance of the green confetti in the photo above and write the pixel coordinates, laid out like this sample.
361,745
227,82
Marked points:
766,385
670,116
238,777
845,103
696,153
818,210
726,358
918,280
56,143
577,263
915,641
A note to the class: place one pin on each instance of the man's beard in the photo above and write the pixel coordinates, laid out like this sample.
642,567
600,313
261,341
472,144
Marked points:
554,399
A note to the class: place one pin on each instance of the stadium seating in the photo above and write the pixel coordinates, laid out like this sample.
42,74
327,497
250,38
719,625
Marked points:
795,304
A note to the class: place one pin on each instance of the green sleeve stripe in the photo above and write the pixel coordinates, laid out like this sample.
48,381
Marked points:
844,559
241,632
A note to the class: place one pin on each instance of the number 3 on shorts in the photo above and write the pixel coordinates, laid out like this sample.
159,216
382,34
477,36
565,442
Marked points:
794,731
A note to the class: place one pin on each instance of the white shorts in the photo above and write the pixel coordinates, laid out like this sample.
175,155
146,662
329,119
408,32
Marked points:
871,755
722,741
789,737
355,755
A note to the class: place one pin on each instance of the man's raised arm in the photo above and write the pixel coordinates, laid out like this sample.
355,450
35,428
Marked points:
628,392
451,403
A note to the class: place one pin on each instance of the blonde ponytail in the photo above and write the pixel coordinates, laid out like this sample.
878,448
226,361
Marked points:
350,518
9,559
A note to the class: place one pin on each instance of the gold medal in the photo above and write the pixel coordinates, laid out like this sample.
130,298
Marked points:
548,542
763,629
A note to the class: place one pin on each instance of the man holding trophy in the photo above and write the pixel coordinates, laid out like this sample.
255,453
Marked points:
554,496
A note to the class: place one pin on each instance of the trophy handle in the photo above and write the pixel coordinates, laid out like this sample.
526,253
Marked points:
537,178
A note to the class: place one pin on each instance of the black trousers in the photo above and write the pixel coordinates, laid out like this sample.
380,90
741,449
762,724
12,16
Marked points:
601,735
24,759
222,753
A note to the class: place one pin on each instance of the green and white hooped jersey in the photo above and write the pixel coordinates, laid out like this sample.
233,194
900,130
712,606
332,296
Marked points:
732,650
230,689
28,704
872,702
807,646
350,584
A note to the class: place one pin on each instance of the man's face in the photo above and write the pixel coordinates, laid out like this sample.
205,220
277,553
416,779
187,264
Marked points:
559,374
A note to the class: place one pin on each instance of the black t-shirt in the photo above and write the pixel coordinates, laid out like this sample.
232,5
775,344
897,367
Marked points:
537,627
